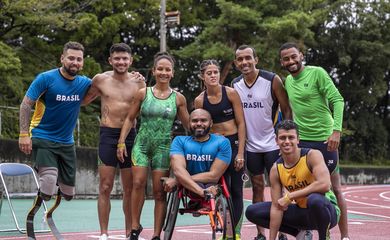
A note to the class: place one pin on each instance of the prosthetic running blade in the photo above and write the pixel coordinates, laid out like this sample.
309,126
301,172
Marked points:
50,221
30,217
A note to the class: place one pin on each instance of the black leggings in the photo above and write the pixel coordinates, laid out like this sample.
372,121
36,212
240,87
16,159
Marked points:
319,215
234,181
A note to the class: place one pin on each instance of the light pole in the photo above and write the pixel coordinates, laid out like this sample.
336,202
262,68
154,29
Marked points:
166,18
163,27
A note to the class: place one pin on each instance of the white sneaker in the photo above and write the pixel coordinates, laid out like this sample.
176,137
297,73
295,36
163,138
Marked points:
103,237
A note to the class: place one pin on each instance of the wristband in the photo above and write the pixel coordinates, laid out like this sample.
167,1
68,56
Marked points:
121,145
24,135
287,198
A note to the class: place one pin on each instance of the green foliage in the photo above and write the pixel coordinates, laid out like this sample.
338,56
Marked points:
9,62
88,28
234,26
21,17
9,120
350,39
353,44
89,127
9,67
91,67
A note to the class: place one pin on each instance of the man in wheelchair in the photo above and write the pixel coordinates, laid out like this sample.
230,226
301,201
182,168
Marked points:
198,163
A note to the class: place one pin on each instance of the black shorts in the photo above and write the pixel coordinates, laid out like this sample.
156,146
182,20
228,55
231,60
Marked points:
108,146
331,158
233,139
256,162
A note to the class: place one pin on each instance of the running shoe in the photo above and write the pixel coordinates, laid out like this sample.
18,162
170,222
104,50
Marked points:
238,237
282,236
103,237
304,235
135,233
260,237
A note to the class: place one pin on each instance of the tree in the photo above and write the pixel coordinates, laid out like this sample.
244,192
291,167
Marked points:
262,24
9,66
350,39
353,45
29,44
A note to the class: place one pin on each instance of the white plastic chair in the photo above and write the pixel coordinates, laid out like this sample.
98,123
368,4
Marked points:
14,170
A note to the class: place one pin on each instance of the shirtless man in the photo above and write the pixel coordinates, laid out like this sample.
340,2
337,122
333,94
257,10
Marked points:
116,89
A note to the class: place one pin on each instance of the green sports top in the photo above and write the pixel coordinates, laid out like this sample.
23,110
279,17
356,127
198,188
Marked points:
312,95
157,115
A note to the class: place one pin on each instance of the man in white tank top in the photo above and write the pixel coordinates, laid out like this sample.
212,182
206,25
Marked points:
261,93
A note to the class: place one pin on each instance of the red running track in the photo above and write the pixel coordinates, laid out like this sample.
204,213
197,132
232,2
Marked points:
368,211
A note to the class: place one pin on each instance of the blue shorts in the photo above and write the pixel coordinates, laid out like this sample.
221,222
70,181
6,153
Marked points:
256,162
108,145
320,215
331,158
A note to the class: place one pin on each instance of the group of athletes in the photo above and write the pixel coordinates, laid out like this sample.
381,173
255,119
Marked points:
300,157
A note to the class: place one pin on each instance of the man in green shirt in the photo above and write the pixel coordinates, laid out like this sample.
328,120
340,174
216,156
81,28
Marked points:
317,108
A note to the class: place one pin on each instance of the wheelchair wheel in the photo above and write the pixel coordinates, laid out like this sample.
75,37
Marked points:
170,218
231,231
223,219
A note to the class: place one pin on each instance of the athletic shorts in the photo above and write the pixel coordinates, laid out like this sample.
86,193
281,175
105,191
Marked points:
108,145
62,156
331,158
256,162
156,151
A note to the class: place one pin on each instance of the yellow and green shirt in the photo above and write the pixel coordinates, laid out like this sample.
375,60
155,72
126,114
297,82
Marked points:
300,176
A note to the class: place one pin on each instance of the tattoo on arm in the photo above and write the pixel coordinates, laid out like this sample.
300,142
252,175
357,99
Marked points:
25,114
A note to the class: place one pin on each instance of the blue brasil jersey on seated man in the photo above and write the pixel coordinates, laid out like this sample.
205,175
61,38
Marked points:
200,155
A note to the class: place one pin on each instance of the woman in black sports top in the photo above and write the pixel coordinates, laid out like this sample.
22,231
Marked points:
225,107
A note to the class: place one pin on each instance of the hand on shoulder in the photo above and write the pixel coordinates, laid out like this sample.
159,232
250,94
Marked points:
137,76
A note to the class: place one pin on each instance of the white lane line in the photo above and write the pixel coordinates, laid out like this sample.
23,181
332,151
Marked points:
382,195
363,203
368,204
369,214
387,186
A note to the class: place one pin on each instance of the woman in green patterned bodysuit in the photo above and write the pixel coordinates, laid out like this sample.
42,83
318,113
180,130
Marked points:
157,106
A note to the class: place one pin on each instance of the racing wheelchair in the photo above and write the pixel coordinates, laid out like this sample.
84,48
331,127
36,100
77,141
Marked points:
218,208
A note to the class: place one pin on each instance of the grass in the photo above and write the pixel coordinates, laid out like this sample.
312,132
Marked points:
382,164
364,165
